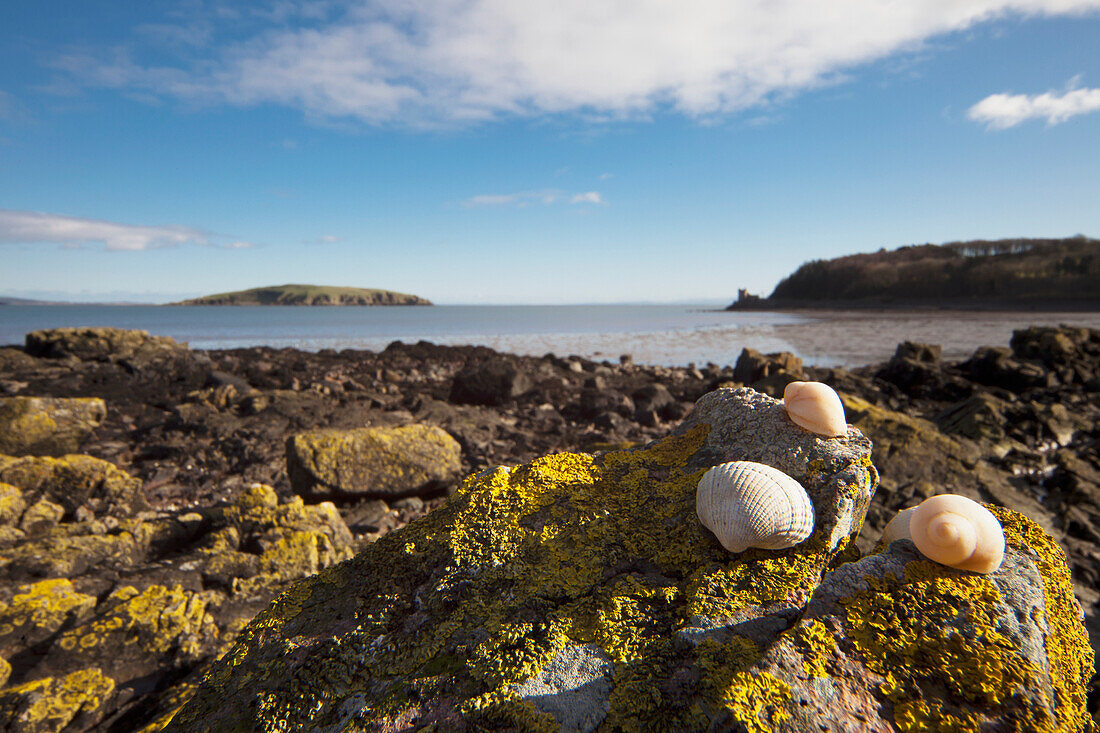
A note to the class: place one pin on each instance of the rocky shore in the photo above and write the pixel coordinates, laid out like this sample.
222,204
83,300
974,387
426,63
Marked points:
154,499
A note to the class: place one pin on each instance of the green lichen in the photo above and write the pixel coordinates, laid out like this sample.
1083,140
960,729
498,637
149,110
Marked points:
382,461
296,541
47,425
72,481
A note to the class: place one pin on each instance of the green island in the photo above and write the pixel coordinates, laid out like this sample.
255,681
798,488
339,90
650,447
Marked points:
1006,273
308,295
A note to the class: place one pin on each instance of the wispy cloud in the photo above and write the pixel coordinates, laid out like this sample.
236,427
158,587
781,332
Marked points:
589,197
325,239
1001,111
431,62
32,227
526,198
522,198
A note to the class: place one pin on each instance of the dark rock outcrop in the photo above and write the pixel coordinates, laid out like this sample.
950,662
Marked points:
490,383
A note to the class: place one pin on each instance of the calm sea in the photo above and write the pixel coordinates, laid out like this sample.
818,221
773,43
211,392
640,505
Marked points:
652,334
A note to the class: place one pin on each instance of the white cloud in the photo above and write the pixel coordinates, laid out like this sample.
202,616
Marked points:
522,198
30,227
525,198
431,62
1001,111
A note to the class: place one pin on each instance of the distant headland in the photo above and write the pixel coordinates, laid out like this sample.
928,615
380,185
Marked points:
1039,274
308,295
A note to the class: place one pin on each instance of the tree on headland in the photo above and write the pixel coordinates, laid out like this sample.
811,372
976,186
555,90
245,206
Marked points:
1006,271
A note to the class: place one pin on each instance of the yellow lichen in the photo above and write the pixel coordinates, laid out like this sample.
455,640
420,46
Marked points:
757,701
159,619
11,504
1068,650
482,593
816,644
933,636
53,703
44,607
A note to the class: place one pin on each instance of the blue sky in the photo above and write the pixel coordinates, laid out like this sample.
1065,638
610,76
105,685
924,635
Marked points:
492,151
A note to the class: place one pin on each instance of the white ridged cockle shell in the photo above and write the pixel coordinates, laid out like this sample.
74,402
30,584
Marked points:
959,532
752,505
816,407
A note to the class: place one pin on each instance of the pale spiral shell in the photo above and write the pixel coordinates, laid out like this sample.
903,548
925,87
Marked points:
816,407
752,505
898,527
959,532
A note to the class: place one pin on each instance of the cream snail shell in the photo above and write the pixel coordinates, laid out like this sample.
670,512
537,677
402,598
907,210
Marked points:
956,531
816,407
752,505
898,527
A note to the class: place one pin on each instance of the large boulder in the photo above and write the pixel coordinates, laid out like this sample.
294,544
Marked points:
898,642
916,370
753,366
566,593
372,462
997,367
47,426
98,344
581,591
917,460
15,360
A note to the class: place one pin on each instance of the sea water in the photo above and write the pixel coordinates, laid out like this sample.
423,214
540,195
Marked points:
671,335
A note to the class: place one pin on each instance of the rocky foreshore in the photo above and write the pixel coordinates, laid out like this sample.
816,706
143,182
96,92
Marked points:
154,499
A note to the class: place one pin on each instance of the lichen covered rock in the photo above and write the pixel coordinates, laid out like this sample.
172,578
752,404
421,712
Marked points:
98,344
372,462
72,702
12,505
47,426
897,642
131,608
74,482
574,591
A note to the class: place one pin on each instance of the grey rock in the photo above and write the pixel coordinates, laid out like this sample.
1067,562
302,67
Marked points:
574,687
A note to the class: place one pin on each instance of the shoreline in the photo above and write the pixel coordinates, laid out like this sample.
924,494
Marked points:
194,431
985,305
